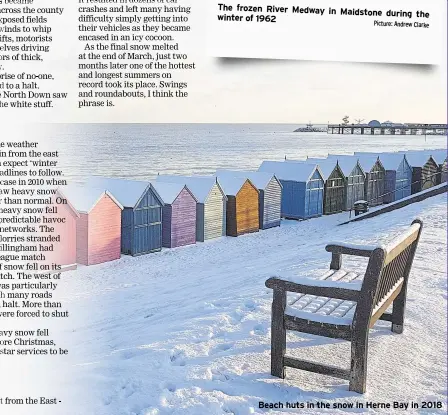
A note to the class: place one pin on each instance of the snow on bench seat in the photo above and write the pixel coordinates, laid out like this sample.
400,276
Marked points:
319,318
324,309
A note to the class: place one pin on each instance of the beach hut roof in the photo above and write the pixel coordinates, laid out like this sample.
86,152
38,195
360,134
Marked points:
299,172
390,161
260,179
347,165
417,158
347,162
168,191
439,155
232,185
60,192
200,186
367,161
316,160
84,198
326,165
127,192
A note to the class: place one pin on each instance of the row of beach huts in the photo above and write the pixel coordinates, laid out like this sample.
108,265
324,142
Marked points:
108,217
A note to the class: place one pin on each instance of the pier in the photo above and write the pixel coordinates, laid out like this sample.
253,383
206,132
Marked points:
384,129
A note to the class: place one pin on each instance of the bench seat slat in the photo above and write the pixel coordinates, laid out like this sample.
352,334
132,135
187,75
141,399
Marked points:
307,298
340,311
318,328
316,367
331,275
287,286
313,282
318,318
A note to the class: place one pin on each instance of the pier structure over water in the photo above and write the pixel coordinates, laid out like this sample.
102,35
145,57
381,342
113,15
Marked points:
377,128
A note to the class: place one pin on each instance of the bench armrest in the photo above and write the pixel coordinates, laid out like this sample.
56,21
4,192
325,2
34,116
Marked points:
350,249
321,288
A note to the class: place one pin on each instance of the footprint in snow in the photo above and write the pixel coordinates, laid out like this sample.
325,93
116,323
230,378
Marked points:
205,337
216,304
250,305
236,317
107,401
230,411
259,330
126,390
131,353
218,375
178,358
245,366
169,386
225,346
222,348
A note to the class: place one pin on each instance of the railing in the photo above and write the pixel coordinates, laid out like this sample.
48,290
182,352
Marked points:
416,197
397,190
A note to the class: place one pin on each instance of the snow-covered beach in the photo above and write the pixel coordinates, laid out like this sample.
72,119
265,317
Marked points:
187,331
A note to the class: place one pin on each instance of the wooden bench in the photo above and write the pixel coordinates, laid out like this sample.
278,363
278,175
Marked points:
344,305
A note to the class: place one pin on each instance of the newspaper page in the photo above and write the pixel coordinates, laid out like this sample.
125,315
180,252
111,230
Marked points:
223,207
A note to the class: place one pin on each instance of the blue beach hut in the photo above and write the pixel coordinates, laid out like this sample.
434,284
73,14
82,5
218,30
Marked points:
303,188
425,170
398,178
334,183
335,187
141,217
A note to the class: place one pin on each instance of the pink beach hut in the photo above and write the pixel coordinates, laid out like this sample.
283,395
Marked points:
178,215
98,228
62,217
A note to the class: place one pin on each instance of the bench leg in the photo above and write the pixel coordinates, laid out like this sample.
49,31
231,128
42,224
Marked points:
278,334
398,309
336,261
358,367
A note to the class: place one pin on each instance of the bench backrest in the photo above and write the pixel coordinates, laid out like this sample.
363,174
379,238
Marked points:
387,273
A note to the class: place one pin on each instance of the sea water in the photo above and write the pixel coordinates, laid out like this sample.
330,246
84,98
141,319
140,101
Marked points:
141,151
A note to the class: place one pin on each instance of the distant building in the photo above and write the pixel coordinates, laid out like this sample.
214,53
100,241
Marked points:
391,124
374,123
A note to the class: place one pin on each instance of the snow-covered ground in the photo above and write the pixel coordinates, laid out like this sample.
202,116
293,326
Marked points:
187,330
